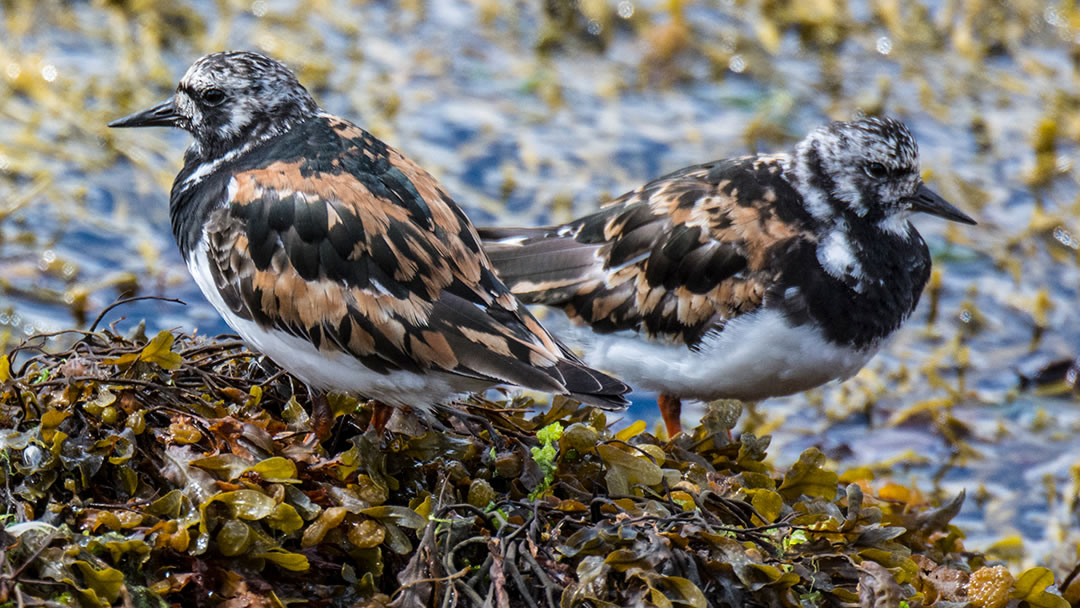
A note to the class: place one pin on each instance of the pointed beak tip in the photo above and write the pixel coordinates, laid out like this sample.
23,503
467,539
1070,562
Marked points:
161,115
955,215
928,201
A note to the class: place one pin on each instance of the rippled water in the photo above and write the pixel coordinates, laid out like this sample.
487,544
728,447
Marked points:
533,115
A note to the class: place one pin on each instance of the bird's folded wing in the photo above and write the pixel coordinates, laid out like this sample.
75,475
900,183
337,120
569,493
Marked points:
380,264
674,259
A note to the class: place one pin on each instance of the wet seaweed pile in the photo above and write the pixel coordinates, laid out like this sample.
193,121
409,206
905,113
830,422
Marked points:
176,470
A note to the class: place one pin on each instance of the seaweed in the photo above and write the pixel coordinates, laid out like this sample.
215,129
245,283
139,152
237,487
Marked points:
186,471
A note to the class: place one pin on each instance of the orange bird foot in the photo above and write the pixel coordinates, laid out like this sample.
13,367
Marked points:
671,410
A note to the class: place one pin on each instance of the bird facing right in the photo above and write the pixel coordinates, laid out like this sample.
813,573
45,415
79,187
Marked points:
743,278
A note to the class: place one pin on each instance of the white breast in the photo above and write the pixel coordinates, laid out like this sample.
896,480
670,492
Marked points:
757,355
326,369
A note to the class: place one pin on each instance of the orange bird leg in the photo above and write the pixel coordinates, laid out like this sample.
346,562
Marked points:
670,409
380,415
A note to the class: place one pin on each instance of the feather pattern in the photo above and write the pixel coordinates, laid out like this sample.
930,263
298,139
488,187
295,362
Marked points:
331,236
673,259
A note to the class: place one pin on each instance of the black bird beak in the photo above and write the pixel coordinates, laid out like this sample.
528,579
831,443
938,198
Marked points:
928,201
162,115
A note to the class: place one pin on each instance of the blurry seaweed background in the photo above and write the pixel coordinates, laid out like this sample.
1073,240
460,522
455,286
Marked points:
537,111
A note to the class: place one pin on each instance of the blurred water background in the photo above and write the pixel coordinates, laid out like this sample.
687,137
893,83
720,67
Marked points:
536,111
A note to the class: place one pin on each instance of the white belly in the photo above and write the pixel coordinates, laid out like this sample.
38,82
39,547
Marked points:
327,369
757,355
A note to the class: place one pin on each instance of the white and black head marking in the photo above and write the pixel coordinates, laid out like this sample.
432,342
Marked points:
867,168
230,96
226,99
865,172
860,181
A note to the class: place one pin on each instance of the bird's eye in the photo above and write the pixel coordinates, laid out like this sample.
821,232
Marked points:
213,97
876,170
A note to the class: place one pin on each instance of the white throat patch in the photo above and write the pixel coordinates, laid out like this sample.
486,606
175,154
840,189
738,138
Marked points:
836,255
897,224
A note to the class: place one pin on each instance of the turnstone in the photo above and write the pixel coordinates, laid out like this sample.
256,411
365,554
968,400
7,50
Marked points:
743,278
338,257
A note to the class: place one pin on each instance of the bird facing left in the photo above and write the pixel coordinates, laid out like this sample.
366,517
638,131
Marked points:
339,258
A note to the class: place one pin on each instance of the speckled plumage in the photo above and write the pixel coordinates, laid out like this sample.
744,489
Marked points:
794,249
340,258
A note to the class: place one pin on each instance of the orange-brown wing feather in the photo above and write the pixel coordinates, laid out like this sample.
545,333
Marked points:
673,259
362,251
